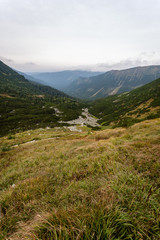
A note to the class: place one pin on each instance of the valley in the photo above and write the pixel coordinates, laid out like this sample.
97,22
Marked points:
79,120
27,105
59,80
86,119
73,169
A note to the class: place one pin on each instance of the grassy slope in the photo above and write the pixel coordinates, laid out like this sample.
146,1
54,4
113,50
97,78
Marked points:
125,109
103,185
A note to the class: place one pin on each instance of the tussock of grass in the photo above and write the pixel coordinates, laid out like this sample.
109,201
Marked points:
75,187
106,134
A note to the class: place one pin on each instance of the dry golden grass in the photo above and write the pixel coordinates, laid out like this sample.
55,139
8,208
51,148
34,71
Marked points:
108,133
150,110
6,95
65,185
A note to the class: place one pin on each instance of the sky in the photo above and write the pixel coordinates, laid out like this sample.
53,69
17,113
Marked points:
96,35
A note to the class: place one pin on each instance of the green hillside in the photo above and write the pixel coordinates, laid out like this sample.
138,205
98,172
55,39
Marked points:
130,107
25,105
16,85
64,185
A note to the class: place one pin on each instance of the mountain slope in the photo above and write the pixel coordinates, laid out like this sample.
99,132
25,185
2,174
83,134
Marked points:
127,108
26,105
61,80
15,84
31,78
103,185
113,82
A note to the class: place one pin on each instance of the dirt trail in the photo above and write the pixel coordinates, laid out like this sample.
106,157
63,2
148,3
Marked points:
85,119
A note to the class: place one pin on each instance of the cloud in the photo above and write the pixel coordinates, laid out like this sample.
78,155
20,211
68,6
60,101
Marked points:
144,59
26,66
127,63
30,64
109,32
7,60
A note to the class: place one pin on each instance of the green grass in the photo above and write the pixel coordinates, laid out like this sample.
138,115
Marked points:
26,105
128,108
65,185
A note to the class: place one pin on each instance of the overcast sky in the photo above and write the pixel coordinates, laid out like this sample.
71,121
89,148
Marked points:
46,35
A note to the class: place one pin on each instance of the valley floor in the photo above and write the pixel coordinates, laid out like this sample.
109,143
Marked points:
59,184
84,119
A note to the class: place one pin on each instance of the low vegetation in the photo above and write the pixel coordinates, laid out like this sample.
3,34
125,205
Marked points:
19,114
57,184
25,105
128,108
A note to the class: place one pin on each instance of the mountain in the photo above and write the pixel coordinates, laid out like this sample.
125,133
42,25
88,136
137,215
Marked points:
130,107
113,82
16,85
61,80
27,105
31,78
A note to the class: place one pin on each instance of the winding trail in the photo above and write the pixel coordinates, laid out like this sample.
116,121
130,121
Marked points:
85,119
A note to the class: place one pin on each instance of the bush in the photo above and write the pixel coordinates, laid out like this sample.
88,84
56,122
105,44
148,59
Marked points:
5,147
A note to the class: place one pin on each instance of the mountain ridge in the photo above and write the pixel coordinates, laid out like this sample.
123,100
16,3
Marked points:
113,82
31,78
62,79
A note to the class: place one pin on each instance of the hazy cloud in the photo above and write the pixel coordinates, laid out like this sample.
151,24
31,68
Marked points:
59,33
6,60
124,64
